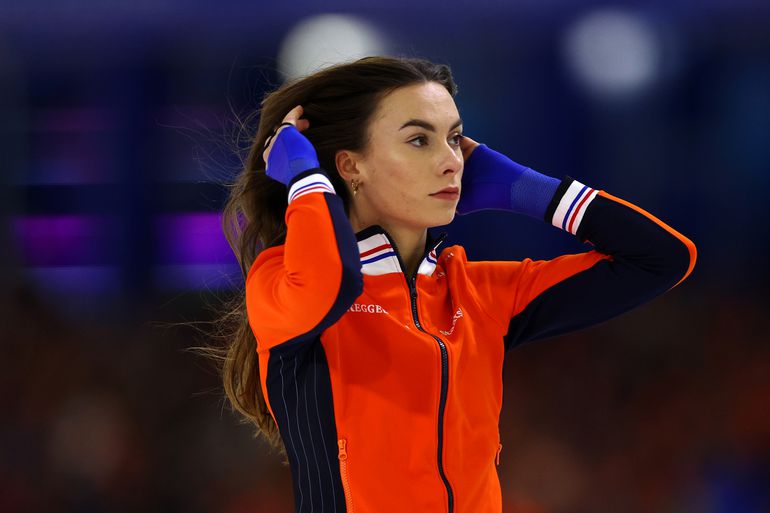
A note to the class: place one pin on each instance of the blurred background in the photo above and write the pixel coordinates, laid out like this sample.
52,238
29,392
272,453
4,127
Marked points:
121,121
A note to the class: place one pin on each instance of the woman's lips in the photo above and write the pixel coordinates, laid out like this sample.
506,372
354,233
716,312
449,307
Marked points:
446,195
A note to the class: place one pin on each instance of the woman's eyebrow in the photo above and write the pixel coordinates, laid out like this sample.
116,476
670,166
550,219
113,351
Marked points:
426,125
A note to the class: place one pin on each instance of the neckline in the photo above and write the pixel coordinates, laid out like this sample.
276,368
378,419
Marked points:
379,253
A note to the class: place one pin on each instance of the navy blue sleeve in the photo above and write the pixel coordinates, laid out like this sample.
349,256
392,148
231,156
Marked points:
637,257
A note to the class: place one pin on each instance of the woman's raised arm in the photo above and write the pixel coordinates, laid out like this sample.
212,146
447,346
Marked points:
637,257
296,290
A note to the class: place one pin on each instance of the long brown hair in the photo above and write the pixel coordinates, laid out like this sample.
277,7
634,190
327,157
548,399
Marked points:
339,102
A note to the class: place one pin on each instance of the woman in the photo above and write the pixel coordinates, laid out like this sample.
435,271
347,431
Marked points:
373,356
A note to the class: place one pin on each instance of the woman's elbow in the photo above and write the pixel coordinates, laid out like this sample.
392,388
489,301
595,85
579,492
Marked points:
681,261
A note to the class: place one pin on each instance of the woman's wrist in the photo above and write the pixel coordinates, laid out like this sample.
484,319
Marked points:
532,193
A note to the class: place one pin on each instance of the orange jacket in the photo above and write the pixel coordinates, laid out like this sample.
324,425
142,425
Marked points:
387,389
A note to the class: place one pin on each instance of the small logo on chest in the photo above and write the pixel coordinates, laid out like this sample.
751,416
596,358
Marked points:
358,307
457,315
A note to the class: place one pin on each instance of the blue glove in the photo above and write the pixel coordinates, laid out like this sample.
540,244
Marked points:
493,181
291,154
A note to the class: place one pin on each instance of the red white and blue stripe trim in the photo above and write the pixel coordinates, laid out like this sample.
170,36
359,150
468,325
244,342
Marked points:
317,182
572,206
428,264
378,257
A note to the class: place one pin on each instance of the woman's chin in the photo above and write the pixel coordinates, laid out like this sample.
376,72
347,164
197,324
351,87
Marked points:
444,219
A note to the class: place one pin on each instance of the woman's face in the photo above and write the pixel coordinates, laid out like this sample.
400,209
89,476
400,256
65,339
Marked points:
413,151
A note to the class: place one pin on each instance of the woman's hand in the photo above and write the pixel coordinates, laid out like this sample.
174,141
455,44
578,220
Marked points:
467,145
492,181
482,186
288,152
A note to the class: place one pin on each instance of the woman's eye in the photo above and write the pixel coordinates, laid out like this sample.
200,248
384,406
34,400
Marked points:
420,138
457,138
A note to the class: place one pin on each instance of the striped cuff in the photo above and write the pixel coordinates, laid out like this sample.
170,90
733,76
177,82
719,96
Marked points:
572,206
314,182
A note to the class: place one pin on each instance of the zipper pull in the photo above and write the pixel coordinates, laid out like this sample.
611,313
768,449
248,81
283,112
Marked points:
497,456
343,454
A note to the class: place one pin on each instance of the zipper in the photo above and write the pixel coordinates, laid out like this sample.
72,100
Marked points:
412,284
343,456
444,387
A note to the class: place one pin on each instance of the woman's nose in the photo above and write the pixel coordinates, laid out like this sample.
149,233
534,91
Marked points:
453,159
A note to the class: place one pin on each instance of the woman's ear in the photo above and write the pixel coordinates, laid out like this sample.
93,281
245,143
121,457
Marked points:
347,165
